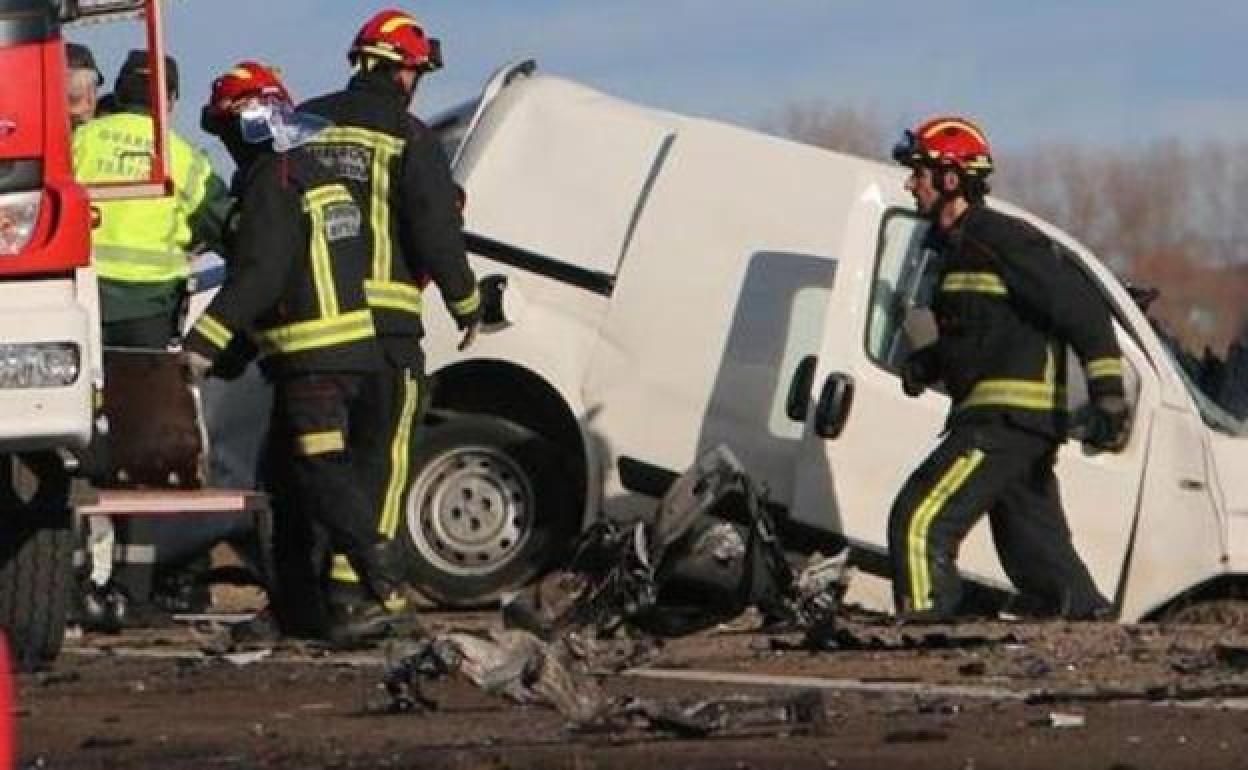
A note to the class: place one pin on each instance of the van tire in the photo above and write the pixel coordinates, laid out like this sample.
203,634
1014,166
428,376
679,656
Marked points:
488,504
36,563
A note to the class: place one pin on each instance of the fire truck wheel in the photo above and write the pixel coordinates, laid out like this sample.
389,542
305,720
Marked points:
36,557
488,507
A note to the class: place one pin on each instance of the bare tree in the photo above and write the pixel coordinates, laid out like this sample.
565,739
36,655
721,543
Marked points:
853,130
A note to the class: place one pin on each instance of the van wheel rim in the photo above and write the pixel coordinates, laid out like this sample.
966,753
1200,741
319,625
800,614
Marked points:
471,510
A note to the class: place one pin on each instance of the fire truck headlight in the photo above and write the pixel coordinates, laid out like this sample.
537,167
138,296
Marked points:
39,365
19,213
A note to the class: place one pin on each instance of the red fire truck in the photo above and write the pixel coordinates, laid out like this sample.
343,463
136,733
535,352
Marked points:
51,362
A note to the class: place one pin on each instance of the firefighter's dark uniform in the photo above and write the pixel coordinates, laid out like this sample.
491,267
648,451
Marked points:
401,175
1008,300
295,286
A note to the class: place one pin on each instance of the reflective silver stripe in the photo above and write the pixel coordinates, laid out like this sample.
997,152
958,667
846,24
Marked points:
122,263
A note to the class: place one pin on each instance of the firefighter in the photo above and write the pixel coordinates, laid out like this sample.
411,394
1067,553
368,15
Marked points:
299,256
401,173
141,246
1007,303
84,83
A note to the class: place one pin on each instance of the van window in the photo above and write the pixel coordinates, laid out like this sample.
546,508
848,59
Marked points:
904,275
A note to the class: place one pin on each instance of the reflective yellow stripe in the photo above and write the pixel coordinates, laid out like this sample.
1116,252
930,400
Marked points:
320,443
315,202
384,148
399,454
394,296
1104,367
322,270
214,331
983,283
920,523
1019,394
327,194
379,211
362,136
467,305
308,335
340,570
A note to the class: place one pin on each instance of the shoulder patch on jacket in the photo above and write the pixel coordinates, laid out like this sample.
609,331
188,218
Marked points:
342,221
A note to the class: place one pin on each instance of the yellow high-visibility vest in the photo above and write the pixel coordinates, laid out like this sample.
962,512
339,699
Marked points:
140,241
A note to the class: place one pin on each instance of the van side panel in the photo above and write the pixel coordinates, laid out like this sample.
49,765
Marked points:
723,291
560,170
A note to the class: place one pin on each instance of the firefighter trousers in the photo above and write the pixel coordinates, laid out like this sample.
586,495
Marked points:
395,402
317,453
996,469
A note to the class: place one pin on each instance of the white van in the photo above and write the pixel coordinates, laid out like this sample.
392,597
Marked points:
673,283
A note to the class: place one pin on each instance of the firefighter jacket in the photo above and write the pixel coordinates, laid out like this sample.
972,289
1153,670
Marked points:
147,241
402,178
294,285
1008,301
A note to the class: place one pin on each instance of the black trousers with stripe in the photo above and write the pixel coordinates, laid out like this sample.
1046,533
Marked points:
320,446
996,469
395,402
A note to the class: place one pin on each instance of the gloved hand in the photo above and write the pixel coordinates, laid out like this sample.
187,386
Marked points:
470,334
918,371
1108,424
469,324
197,366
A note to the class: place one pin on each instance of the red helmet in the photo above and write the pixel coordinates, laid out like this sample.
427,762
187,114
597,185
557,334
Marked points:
247,80
396,36
946,141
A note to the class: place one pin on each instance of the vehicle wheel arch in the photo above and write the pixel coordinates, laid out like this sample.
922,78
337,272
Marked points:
1217,595
522,396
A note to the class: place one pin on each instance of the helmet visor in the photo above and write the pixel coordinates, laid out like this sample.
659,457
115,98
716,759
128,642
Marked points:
271,119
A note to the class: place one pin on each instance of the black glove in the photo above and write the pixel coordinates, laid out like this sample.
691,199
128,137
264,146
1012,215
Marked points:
1108,424
918,371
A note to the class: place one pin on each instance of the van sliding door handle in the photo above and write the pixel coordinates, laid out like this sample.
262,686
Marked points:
1191,485
798,402
835,400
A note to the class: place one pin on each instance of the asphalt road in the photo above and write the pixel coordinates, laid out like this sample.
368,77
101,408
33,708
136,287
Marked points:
976,696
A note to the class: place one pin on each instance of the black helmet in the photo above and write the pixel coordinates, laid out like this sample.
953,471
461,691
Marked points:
135,74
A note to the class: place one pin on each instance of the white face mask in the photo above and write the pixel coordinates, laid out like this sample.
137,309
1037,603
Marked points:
264,120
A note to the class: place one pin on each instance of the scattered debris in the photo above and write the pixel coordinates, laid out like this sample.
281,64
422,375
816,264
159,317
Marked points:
1065,721
247,658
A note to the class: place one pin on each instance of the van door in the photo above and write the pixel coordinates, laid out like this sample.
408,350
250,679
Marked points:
864,436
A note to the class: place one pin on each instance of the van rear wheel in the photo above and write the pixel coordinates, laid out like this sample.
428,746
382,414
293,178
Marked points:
488,505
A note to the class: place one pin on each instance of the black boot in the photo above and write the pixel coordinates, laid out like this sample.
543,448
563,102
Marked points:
382,607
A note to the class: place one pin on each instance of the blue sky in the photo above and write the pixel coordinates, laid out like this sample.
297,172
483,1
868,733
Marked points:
1029,71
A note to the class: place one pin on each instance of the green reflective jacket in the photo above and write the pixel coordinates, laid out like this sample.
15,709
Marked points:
147,241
